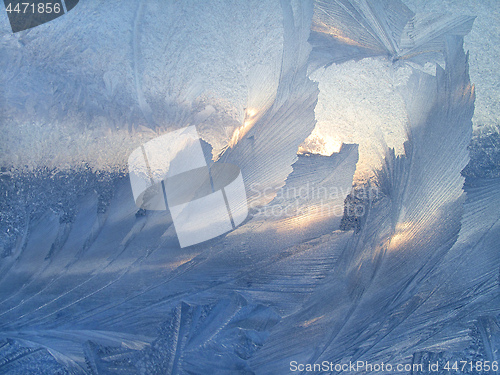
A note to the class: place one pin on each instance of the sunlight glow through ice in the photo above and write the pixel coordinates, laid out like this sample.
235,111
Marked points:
367,108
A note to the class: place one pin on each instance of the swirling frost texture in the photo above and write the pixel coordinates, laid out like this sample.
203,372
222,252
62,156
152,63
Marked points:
106,288
94,84
483,44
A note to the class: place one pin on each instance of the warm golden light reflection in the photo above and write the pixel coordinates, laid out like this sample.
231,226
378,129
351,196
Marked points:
320,144
297,221
403,233
250,119
179,263
251,112
312,214
311,321
321,27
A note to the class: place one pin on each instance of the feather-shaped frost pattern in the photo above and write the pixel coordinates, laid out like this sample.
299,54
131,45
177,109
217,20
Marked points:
354,29
221,336
91,285
379,278
269,147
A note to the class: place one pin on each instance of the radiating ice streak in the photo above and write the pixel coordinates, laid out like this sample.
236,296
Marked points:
464,283
113,278
375,292
342,295
343,30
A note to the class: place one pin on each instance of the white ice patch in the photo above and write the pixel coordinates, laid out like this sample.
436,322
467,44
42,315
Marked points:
359,103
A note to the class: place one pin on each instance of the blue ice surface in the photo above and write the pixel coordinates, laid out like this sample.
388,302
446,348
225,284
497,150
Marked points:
90,284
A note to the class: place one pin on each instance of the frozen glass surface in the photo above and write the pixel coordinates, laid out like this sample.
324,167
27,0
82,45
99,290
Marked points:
332,174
